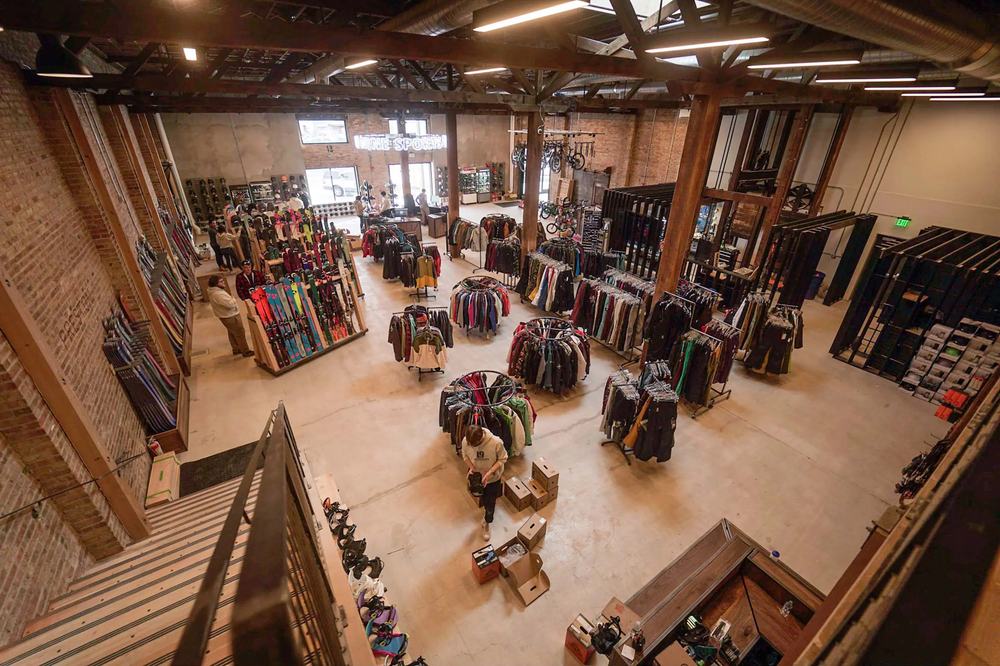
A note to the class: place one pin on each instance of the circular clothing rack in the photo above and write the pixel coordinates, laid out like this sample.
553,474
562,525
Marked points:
478,285
494,393
550,328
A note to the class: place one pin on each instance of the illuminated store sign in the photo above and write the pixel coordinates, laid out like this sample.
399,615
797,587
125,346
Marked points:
400,143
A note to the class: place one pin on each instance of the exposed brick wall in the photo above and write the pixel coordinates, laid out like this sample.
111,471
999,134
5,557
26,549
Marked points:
55,248
150,157
135,179
623,143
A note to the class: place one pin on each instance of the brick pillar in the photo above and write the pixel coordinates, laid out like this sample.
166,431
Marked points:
35,436
124,144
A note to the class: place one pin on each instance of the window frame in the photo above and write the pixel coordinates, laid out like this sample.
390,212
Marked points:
426,126
343,121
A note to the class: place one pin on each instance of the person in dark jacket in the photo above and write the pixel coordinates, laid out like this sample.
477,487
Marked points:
248,280
213,241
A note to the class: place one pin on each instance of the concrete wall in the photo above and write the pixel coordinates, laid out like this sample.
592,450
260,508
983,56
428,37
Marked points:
943,170
204,147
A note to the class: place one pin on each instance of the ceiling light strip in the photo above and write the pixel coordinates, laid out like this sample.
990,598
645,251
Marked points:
532,15
709,45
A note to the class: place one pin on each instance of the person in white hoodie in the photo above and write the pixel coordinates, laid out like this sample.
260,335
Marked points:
484,453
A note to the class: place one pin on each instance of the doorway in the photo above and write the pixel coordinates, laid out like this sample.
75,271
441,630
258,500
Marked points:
421,178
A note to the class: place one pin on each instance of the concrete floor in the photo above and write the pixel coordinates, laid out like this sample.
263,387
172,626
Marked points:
803,463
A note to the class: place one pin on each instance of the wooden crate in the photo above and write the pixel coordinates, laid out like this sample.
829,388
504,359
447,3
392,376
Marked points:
176,439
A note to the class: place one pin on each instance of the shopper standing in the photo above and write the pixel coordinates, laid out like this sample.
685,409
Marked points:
386,203
213,241
227,309
484,453
359,210
425,209
226,240
248,280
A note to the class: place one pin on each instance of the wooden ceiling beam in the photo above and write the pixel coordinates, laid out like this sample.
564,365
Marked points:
632,28
424,75
406,74
692,19
147,51
135,20
523,80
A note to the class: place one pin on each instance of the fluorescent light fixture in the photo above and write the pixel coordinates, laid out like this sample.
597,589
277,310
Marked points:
806,63
486,70
190,53
358,63
946,94
513,12
909,88
871,79
965,99
691,39
56,61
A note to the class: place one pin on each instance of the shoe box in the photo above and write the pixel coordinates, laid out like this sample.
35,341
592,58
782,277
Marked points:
539,496
517,494
485,564
547,476
532,531
578,639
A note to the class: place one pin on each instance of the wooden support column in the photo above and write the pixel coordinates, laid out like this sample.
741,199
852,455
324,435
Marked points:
843,123
789,162
21,330
734,179
532,183
699,144
114,224
454,197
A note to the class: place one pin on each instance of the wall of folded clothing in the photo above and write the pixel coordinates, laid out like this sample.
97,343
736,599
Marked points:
491,400
479,303
546,283
549,353
768,335
420,336
641,419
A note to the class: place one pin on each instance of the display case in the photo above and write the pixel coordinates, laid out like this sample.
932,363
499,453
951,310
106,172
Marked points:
467,185
483,188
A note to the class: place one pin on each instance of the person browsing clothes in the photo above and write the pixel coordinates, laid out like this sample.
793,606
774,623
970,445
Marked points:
484,453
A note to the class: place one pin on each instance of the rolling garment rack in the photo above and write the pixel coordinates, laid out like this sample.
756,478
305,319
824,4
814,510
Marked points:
723,393
624,382
655,355
501,394
546,339
418,310
483,286
418,294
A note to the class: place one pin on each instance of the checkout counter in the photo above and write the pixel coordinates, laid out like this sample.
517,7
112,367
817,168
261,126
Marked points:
751,608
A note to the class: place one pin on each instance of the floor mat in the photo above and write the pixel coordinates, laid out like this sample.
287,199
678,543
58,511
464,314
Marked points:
213,470
508,204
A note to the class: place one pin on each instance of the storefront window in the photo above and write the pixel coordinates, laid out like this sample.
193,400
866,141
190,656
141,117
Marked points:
332,185
413,127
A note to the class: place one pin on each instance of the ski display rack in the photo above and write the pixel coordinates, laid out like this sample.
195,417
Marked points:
170,293
295,320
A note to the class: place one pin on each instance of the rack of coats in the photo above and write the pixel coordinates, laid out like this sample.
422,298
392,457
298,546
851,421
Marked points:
491,400
640,420
467,235
498,226
608,314
565,250
703,300
642,289
400,259
697,365
730,337
420,336
546,283
768,335
479,303
668,320
504,256
373,242
550,353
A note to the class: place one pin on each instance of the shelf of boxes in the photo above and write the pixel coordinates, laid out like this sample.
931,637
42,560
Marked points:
959,359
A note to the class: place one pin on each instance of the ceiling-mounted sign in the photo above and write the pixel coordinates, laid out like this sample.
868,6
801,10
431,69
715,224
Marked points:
397,142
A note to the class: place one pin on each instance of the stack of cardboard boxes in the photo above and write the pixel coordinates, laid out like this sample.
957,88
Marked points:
514,559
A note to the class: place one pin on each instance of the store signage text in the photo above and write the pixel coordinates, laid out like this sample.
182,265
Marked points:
400,143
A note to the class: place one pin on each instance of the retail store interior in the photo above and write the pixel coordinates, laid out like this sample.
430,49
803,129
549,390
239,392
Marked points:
499,332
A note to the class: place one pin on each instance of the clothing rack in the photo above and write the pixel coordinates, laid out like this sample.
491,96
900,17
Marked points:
511,388
647,328
549,328
720,395
624,381
482,284
549,353
423,371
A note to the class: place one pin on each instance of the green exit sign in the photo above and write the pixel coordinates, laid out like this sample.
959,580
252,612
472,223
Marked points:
902,221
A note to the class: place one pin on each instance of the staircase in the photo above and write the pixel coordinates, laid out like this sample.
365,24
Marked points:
132,608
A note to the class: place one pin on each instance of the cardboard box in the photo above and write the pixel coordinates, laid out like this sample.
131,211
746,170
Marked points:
517,494
354,242
578,639
485,564
673,655
527,579
502,553
539,497
545,474
532,531
164,480
553,494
